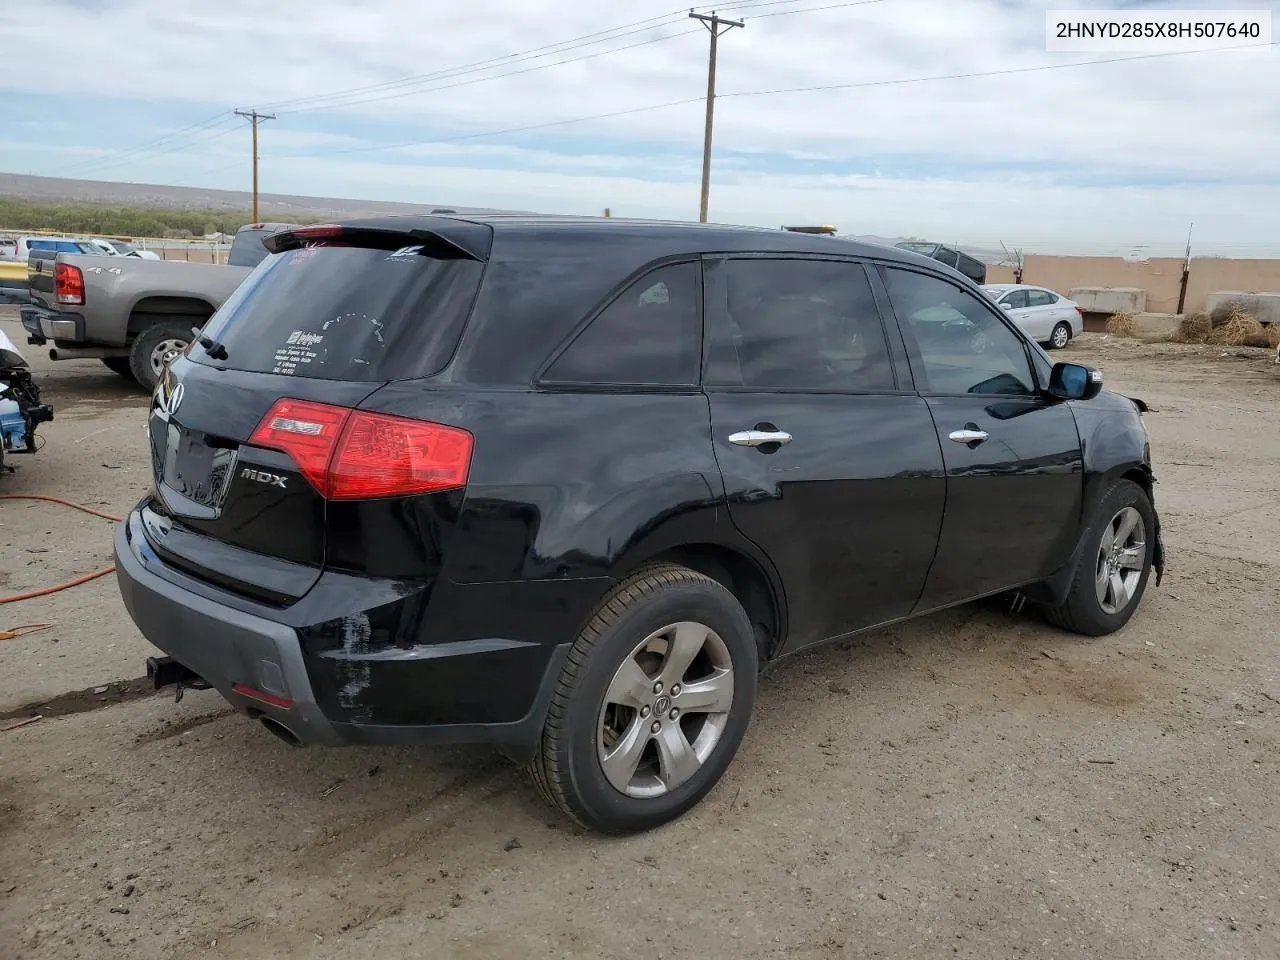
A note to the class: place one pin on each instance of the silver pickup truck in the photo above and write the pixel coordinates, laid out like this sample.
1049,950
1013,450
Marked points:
133,315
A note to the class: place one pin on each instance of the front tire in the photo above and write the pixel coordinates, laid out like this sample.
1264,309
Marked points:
652,703
1114,565
156,346
1060,336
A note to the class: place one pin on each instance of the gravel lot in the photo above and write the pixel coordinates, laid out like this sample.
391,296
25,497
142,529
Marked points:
974,784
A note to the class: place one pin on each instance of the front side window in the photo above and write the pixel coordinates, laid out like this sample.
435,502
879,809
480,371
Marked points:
1016,300
962,346
648,335
809,325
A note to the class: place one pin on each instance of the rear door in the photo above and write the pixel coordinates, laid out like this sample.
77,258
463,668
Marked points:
327,324
1043,314
830,461
1015,476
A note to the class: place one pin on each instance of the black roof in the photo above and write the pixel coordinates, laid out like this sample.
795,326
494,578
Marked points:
680,236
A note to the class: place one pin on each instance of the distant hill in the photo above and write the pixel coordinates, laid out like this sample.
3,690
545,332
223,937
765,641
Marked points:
272,206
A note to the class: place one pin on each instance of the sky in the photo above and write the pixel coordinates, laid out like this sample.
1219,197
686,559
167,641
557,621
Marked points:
572,108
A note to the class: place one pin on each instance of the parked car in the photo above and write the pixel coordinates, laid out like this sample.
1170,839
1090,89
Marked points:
134,315
1046,317
119,248
972,268
567,485
57,244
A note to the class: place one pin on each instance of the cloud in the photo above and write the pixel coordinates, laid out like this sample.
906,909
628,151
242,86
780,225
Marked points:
1103,154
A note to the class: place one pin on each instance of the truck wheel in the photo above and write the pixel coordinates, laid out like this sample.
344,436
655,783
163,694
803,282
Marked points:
1114,565
653,700
156,346
119,365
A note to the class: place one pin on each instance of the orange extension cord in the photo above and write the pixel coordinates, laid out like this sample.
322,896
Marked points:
44,591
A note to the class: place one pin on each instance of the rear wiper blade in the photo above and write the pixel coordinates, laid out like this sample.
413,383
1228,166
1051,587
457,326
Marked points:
212,347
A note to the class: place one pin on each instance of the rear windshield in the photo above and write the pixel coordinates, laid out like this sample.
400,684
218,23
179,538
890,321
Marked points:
247,249
345,313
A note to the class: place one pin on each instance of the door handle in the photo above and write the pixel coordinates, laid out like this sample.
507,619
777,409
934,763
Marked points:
969,435
758,438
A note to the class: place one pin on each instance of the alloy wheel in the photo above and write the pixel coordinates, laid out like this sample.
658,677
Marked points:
1122,558
665,710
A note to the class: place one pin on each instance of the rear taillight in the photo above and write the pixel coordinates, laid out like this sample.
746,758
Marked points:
68,284
357,455
1080,310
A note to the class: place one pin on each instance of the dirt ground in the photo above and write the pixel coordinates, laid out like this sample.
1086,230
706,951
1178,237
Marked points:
974,784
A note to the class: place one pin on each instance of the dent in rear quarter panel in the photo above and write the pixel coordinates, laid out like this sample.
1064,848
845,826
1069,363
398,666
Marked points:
574,485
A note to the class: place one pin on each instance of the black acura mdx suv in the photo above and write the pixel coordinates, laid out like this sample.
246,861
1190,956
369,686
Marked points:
567,485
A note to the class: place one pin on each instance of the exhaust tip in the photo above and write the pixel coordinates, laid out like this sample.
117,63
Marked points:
281,731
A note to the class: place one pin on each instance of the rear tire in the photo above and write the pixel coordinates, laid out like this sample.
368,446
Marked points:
156,346
651,704
1060,336
1114,564
119,365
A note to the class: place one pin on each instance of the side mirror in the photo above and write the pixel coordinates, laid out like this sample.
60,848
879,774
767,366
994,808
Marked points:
1074,381
1006,306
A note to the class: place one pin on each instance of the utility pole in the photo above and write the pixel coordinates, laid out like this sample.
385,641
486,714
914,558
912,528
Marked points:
1186,273
254,118
716,25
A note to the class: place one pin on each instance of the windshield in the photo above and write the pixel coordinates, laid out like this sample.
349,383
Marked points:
345,313
925,248
247,249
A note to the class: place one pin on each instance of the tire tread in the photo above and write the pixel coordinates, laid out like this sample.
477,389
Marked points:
547,769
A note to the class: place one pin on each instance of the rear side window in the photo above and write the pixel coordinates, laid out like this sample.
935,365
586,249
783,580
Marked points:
808,325
648,335
1040,298
346,313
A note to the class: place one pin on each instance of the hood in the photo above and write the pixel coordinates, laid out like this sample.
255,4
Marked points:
9,355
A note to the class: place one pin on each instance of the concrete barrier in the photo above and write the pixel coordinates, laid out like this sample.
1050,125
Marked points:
1109,300
1264,306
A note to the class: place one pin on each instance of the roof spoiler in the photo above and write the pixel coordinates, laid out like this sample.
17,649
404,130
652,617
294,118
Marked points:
452,240
824,229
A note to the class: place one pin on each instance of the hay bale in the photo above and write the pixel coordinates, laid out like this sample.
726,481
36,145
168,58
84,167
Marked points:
1273,335
1236,331
1259,341
1224,312
1194,328
1121,324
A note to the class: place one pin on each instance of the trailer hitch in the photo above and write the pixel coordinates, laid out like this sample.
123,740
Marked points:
168,672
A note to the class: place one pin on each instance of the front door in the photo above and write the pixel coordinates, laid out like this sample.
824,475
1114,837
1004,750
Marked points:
830,464
1015,477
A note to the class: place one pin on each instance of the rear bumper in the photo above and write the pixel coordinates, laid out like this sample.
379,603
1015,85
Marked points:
229,646
43,325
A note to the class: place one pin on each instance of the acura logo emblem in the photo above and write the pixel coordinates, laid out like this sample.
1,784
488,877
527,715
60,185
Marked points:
167,402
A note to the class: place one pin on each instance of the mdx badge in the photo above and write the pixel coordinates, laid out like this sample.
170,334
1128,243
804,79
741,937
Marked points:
261,476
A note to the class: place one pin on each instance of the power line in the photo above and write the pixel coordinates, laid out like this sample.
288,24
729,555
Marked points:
496,76
991,73
209,135
94,161
757,93
562,46
147,150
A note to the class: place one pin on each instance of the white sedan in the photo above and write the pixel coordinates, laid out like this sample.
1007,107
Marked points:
1042,314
